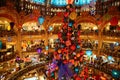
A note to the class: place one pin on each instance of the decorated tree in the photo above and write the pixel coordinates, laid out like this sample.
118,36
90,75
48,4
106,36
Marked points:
68,56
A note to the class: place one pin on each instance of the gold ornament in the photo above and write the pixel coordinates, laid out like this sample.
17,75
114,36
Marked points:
73,15
8,28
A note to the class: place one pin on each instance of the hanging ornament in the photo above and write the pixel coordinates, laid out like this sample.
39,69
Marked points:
116,74
114,21
39,50
59,51
68,34
71,61
0,44
29,42
72,47
50,28
76,70
12,25
78,55
53,74
73,15
70,24
41,20
46,47
78,46
68,43
8,28
88,52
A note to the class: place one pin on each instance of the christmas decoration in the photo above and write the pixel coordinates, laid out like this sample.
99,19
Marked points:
39,50
68,54
73,15
41,20
12,25
50,28
0,44
46,47
8,28
114,21
116,74
88,52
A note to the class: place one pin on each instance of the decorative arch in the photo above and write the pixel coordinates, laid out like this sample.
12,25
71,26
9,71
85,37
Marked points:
9,14
105,22
87,18
55,19
113,12
31,17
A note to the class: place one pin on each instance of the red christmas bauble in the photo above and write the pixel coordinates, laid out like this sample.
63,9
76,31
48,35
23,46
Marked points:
72,47
59,34
114,21
68,43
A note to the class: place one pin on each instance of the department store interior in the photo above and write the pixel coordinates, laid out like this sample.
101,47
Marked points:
59,40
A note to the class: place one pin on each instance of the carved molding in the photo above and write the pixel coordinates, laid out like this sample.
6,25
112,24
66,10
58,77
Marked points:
10,14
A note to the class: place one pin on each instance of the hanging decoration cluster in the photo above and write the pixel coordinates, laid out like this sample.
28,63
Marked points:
68,54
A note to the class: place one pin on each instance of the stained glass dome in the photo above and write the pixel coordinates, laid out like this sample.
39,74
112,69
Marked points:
58,3
38,1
